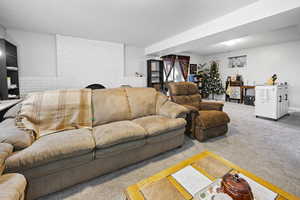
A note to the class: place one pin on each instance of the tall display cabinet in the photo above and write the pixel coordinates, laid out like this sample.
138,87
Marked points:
9,71
155,76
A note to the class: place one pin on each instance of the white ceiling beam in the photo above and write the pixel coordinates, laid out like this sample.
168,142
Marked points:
257,11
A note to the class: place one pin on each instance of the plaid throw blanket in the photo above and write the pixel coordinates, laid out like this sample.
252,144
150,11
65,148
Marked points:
53,111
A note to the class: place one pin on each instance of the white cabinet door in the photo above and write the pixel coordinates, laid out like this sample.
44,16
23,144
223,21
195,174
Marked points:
280,108
266,102
271,101
286,100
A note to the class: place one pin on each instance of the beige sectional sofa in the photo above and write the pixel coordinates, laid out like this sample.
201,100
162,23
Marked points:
129,125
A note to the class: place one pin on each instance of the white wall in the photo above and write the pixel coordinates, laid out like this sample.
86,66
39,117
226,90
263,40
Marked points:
135,61
262,62
36,53
2,31
41,69
195,59
81,62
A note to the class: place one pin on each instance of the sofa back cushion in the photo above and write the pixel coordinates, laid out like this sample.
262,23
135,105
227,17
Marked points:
110,105
142,101
185,93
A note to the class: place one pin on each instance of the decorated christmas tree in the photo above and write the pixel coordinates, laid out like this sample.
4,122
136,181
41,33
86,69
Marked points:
213,83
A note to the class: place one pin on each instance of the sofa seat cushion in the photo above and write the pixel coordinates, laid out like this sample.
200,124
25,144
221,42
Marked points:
212,118
120,148
12,186
53,147
116,133
56,166
10,134
168,136
157,124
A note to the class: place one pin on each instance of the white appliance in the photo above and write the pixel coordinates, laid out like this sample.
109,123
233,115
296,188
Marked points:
271,101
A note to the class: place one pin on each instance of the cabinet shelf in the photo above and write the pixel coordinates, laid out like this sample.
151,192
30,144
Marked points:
10,55
10,68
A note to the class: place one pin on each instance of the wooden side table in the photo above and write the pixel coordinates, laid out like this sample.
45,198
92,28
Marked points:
244,89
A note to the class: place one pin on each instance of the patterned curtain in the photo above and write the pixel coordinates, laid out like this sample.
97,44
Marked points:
184,62
169,62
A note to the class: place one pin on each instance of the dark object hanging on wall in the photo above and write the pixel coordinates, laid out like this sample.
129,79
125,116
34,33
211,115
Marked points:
236,187
155,76
95,86
239,77
9,71
168,68
184,62
193,68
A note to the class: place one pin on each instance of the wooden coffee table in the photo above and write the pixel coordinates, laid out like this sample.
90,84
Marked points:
162,186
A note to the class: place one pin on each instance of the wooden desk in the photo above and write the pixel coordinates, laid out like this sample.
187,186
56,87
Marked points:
244,91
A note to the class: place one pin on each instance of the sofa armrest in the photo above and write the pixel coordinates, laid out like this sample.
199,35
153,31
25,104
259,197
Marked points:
211,106
5,151
12,186
172,110
191,108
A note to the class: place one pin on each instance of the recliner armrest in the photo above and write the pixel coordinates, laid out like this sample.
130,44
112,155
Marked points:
211,106
172,110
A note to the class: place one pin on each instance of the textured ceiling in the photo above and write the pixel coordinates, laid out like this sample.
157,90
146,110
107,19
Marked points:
136,22
291,33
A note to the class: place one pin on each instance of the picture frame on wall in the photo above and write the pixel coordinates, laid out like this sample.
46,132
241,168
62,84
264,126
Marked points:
237,61
193,68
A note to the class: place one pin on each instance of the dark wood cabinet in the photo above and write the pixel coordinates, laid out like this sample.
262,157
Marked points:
9,71
155,76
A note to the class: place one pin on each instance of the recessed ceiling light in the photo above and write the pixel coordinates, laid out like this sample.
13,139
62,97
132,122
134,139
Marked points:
232,42
0,53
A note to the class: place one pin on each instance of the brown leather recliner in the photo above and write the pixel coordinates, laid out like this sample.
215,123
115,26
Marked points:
206,119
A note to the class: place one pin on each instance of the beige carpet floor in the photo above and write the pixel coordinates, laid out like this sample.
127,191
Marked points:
269,149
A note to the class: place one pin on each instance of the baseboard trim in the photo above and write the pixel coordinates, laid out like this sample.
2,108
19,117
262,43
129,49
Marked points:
293,109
